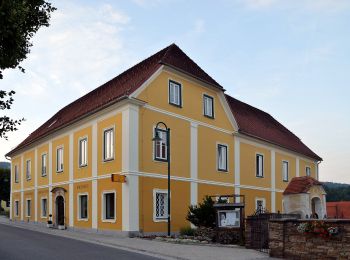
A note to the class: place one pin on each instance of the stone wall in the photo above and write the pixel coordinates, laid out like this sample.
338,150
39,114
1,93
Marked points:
286,242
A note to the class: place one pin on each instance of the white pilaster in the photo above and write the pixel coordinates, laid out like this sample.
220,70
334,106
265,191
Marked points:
316,171
22,187
297,174
273,181
237,164
71,177
35,175
94,176
130,163
194,163
50,177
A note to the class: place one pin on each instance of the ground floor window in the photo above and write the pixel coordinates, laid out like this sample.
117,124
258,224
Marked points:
260,204
43,207
160,204
109,208
82,206
16,208
29,204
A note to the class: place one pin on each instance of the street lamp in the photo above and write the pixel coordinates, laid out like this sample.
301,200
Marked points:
156,139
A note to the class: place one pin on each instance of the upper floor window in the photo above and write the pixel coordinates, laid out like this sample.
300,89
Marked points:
160,205
43,164
222,157
28,168
83,152
285,170
175,93
308,171
259,165
208,103
160,147
16,174
108,144
59,157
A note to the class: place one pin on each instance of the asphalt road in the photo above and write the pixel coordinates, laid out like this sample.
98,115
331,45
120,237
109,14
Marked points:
18,244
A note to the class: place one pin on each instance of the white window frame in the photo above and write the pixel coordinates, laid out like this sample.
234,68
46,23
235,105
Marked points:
172,100
43,173
218,145
257,172
59,165
16,208
28,170
263,202
283,173
16,174
103,208
308,167
155,218
105,130
155,157
28,208
80,152
205,110
79,206
41,207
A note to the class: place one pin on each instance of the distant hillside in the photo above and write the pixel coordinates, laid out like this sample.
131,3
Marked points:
5,165
337,191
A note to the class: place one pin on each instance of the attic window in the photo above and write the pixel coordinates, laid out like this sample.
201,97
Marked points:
52,123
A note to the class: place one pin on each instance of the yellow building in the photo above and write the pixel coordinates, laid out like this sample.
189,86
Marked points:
219,145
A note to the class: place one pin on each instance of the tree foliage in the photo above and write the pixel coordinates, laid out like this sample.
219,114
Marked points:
19,21
203,214
5,180
337,191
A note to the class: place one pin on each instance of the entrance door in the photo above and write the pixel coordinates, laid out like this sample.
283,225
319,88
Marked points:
60,211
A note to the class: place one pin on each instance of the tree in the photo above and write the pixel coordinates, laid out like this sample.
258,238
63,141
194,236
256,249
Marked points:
5,184
203,214
19,21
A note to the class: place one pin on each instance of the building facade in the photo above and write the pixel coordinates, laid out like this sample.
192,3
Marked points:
219,145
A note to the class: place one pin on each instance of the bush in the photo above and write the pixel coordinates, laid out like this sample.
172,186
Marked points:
203,214
187,231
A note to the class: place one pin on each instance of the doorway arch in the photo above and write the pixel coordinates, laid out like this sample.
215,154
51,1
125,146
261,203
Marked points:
316,207
60,210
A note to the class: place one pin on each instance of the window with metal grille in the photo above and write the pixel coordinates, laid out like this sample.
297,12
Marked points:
161,205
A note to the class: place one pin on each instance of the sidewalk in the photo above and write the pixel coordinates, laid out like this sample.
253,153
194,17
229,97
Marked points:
154,248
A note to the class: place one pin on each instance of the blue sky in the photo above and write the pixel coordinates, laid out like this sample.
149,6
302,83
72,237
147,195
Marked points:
290,58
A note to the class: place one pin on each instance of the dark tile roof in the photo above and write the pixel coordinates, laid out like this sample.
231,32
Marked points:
259,124
118,88
300,185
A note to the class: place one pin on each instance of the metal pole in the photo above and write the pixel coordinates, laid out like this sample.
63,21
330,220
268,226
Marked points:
168,156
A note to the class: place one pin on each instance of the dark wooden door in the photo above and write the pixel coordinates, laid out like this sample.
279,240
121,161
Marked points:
60,210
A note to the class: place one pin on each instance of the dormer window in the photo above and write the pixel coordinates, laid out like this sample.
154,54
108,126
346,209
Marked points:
175,97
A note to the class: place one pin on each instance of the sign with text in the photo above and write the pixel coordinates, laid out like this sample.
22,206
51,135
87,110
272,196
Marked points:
229,218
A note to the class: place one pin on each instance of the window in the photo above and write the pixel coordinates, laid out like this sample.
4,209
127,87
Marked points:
16,208
160,147
59,157
222,157
83,152
208,103
285,170
29,204
259,165
109,208
28,166
16,174
175,93
308,171
43,165
160,205
43,208
83,207
108,144
260,204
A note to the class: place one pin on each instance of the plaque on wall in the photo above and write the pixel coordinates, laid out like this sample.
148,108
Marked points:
229,218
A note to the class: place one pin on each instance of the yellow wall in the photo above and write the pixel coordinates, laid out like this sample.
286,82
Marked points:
248,166
302,168
213,190
156,94
179,139
179,204
84,171
208,139
115,165
280,184
82,188
251,196
16,161
29,156
43,180
60,176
